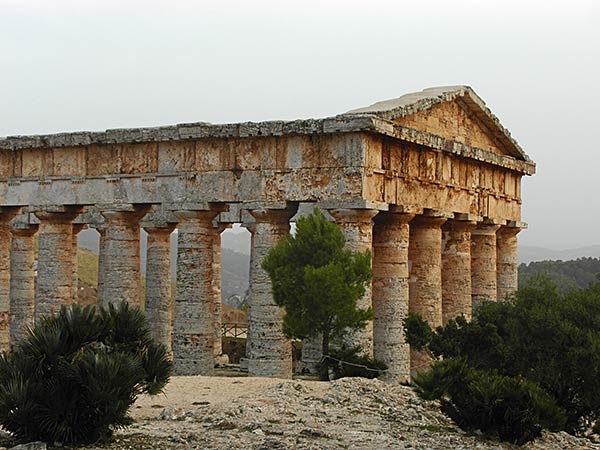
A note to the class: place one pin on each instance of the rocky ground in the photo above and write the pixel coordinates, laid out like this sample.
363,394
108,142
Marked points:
254,413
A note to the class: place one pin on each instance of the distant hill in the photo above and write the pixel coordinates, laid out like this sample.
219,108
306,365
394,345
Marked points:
566,275
528,254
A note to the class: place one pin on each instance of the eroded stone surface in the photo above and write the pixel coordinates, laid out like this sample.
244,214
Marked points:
193,333
507,266
269,353
456,270
390,293
483,264
425,284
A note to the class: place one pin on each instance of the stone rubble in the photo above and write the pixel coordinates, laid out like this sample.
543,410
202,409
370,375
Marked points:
350,413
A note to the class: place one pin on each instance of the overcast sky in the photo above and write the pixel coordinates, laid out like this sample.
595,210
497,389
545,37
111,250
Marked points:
92,65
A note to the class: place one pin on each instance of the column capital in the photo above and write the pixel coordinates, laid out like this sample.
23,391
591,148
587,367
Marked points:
273,213
459,225
129,212
428,222
199,215
392,218
56,214
345,215
483,228
506,230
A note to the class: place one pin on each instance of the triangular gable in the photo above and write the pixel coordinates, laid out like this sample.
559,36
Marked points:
455,113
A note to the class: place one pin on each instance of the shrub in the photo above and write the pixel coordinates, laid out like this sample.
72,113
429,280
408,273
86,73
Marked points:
74,377
348,362
513,409
542,335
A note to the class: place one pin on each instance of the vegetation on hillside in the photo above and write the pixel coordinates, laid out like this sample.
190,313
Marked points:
524,358
75,376
579,273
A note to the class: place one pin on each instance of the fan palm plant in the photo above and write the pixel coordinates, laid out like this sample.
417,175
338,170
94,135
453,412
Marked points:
77,373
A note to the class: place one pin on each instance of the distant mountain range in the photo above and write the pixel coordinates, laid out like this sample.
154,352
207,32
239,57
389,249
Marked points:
528,254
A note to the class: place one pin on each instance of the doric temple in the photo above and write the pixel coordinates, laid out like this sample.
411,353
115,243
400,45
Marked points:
430,182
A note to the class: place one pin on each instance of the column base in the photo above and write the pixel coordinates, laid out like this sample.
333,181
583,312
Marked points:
270,368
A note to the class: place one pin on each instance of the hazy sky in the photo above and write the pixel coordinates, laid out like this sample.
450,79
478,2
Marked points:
92,65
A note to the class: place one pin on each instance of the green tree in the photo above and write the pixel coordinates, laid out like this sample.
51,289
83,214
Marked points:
318,282
543,335
74,377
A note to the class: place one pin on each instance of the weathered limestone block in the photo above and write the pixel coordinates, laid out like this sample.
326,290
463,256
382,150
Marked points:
54,283
507,264
120,256
456,270
158,283
193,330
268,351
76,229
22,279
391,293
357,226
6,215
483,264
425,284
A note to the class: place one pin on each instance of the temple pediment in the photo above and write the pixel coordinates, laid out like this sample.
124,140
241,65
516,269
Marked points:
455,113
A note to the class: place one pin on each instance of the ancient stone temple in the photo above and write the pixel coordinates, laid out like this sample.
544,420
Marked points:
430,182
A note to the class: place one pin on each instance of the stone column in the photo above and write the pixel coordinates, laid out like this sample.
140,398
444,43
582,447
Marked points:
425,285
22,279
312,353
193,331
158,305
101,229
54,284
216,245
391,293
507,263
5,264
483,264
269,353
456,270
357,226
77,227
120,257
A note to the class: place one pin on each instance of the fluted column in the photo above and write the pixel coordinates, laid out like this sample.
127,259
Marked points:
483,264
391,293
120,257
54,283
75,265
268,351
22,279
456,270
193,330
507,261
158,283
425,285
5,263
357,226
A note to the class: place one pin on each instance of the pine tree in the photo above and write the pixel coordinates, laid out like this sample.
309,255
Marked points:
318,282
